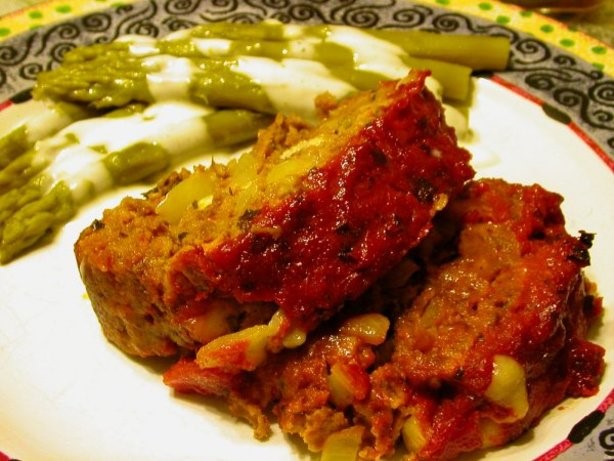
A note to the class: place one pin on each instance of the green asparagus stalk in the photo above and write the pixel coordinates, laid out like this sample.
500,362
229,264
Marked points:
248,82
40,155
20,170
35,220
207,60
13,144
79,172
479,52
252,83
26,123
17,198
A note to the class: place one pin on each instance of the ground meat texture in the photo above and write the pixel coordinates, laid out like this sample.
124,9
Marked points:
515,291
495,295
384,162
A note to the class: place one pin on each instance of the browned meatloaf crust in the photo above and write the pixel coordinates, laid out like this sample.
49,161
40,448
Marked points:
383,163
488,319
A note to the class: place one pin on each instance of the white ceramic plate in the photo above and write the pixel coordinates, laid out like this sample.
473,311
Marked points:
67,394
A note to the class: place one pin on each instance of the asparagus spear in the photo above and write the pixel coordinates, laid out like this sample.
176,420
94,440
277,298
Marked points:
376,59
25,123
29,224
254,83
13,144
85,169
20,170
476,51
40,155
249,82
205,62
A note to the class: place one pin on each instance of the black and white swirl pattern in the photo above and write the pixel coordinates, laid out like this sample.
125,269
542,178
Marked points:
606,441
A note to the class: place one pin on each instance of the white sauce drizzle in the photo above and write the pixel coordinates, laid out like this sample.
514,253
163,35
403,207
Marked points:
79,168
139,45
117,133
175,126
212,46
291,31
370,53
168,77
40,119
46,122
292,84
302,48
185,137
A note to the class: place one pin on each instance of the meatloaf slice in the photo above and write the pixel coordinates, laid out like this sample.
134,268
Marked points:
488,322
308,219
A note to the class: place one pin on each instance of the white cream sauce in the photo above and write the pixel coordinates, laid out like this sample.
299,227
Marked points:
168,77
212,46
176,126
302,48
370,53
292,84
40,119
139,45
80,168
178,35
46,122
154,124
290,31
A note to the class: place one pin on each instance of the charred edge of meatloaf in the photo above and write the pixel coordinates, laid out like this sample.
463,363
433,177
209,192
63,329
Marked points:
513,288
394,164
